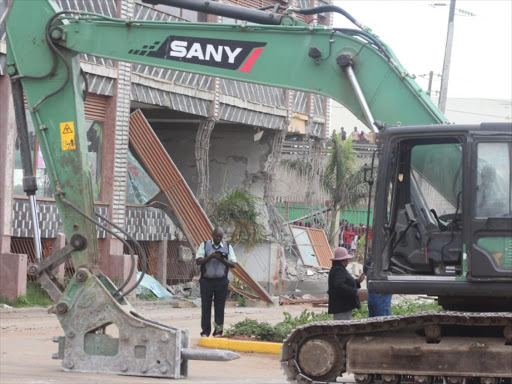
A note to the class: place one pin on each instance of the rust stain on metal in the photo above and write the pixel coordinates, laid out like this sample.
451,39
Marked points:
321,247
192,219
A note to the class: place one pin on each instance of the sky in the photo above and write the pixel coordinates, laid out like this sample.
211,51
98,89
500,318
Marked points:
481,64
416,30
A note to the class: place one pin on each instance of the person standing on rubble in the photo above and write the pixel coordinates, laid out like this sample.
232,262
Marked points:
342,287
215,257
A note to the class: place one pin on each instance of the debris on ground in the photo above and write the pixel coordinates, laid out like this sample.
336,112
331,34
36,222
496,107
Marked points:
302,272
188,289
306,299
149,285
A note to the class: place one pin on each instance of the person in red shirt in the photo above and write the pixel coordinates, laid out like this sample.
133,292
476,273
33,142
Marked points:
348,237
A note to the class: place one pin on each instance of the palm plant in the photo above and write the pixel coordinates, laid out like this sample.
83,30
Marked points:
300,166
237,212
342,179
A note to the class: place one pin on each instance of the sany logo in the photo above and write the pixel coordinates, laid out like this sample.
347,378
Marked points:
228,54
179,49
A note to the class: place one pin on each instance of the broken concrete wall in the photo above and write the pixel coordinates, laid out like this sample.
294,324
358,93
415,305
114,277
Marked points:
264,263
179,142
289,184
235,159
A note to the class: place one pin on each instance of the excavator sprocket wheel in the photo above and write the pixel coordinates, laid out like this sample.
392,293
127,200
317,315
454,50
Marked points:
321,358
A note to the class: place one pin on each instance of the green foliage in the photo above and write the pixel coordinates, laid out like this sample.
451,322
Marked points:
238,299
266,332
361,313
36,296
405,307
342,179
410,306
277,333
237,210
301,167
147,296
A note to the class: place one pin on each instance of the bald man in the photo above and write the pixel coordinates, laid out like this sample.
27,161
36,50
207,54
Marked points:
215,258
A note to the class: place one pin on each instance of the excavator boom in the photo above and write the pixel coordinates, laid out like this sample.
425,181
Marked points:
351,66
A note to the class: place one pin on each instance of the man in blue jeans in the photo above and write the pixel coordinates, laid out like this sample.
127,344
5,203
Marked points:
378,304
215,258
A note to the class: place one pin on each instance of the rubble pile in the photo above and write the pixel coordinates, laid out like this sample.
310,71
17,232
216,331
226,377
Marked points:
186,290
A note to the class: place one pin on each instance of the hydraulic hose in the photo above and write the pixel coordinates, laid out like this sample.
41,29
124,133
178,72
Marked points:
328,8
220,9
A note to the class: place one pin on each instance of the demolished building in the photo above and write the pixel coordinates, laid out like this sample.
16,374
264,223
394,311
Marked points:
220,133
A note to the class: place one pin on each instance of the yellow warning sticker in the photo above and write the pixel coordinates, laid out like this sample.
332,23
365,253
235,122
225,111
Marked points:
67,135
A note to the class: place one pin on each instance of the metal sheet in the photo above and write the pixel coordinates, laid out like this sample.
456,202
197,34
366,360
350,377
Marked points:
313,246
321,246
304,244
192,219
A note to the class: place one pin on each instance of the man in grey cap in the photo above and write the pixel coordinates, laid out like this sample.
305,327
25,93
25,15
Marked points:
343,297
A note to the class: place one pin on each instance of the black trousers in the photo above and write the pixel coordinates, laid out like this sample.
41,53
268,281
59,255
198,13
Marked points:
216,290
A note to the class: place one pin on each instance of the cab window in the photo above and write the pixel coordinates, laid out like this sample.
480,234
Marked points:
493,181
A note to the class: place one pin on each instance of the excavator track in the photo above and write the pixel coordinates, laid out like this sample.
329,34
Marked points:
422,348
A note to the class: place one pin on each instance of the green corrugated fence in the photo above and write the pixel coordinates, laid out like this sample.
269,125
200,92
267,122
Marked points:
356,215
292,211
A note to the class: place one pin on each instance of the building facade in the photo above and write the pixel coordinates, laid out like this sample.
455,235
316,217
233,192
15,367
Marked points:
207,126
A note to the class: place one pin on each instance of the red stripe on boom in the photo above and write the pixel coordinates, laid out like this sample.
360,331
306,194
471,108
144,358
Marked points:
251,60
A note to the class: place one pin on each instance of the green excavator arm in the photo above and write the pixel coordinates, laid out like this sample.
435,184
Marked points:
43,46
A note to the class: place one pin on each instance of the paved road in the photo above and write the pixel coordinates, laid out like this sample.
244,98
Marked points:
26,347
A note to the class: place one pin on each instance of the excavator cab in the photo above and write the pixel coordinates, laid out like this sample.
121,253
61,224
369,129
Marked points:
442,227
445,225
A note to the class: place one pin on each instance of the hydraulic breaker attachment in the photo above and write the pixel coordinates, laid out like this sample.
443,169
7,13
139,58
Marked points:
137,346
90,306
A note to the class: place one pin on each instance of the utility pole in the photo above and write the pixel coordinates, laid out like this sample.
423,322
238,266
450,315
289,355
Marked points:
447,58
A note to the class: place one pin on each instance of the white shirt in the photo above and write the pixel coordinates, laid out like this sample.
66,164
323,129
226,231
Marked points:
231,254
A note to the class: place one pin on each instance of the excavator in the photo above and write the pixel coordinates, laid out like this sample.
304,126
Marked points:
442,211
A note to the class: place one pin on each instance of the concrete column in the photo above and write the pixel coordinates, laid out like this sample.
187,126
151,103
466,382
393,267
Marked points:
120,269
58,243
13,275
113,262
161,264
13,267
274,268
122,129
202,148
109,245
